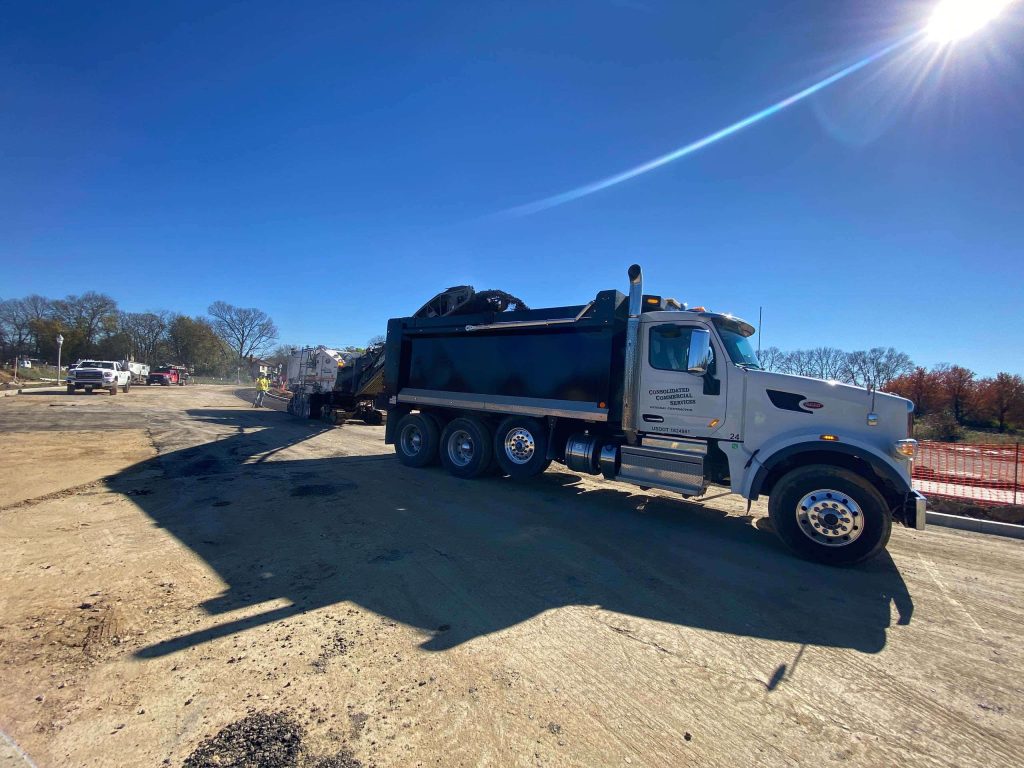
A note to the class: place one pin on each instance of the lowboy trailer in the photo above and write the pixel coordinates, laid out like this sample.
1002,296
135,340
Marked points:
645,391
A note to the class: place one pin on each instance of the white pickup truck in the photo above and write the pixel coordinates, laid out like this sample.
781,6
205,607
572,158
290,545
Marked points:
99,374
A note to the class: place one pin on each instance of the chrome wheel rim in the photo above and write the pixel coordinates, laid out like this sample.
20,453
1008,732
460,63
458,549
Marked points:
412,440
520,446
461,447
830,518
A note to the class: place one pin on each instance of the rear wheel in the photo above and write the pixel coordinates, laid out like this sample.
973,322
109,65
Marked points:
521,447
314,406
466,450
830,515
127,386
418,437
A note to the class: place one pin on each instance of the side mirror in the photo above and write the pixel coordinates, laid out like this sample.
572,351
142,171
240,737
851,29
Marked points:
700,351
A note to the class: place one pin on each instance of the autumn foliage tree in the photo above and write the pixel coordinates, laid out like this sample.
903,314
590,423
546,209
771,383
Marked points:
1001,399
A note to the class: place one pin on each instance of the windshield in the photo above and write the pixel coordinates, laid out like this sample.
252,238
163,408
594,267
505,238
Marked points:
95,364
739,347
162,370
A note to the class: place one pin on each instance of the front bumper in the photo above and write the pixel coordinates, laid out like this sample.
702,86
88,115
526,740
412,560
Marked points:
915,511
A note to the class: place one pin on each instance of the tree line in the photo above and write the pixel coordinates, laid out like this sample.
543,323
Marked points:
948,396
93,326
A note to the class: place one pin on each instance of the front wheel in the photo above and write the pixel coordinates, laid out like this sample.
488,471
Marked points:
127,386
521,447
71,389
830,515
466,447
417,440
113,389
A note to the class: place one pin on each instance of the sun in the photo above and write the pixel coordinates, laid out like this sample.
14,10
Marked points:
955,19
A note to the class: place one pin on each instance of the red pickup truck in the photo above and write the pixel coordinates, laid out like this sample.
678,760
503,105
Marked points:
167,375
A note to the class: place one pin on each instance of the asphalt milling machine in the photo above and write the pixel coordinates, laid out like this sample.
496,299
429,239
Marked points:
334,385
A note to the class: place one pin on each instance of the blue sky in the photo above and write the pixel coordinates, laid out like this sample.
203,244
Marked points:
338,163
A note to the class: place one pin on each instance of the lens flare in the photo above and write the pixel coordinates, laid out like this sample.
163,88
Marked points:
689,149
955,19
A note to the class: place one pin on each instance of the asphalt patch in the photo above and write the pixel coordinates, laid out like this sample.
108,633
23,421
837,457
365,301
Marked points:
204,466
321,489
261,740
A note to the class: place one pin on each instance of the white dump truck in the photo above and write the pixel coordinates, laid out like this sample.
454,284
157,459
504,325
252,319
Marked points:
646,391
99,374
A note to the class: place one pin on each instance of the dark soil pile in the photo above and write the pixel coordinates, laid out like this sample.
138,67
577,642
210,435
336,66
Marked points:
261,740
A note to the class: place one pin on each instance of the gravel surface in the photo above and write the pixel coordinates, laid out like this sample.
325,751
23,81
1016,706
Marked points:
188,581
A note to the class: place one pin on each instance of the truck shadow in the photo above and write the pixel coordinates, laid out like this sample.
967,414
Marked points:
461,559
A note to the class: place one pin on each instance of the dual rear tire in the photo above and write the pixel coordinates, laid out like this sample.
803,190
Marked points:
468,447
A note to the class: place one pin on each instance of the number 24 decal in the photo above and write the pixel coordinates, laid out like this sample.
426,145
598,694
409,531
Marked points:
735,436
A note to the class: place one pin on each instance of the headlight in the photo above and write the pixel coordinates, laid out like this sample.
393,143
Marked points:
906,449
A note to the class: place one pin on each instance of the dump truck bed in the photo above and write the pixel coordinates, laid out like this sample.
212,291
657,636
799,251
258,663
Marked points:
569,355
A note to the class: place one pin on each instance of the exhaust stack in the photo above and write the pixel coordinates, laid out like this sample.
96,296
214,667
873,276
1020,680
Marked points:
636,290
629,373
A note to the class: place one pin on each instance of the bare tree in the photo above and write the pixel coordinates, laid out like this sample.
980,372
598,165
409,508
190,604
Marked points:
279,355
144,331
248,331
877,367
827,362
772,358
15,325
91,315
798,362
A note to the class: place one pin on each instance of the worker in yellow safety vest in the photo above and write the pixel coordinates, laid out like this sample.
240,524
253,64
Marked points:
262,387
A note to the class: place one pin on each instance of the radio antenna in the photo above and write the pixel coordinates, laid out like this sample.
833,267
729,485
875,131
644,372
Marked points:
759,330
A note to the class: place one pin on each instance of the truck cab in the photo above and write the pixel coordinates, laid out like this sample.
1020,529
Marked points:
701,391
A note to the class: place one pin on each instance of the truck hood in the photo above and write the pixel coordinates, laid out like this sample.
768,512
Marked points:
831,403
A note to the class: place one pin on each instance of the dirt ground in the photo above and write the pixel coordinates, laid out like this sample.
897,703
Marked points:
188,581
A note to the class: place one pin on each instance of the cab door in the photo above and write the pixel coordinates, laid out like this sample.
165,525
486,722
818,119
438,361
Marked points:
672,400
